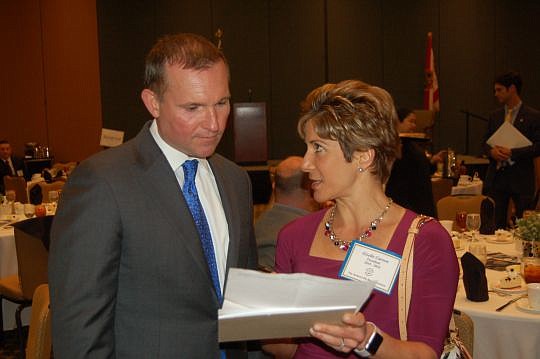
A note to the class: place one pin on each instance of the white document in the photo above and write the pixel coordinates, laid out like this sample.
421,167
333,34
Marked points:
508,136
266,305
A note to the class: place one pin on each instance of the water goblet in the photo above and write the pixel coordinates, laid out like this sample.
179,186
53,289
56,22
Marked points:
53,196
11,196
29,210
479,250
461,218
472,222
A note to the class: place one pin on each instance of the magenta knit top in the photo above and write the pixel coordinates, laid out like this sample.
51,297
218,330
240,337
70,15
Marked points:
435,278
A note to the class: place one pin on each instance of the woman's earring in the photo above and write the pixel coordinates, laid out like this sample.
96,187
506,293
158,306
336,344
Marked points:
360,169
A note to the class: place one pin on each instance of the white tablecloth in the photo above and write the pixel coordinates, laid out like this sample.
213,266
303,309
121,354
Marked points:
474,187
510,333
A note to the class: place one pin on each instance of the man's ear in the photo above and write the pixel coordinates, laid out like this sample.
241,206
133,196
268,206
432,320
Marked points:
151,101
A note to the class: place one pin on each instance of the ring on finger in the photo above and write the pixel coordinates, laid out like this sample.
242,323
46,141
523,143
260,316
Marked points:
342,344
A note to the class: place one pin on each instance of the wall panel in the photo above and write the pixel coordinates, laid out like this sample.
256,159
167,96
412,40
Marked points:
245,42
22,93
72,86
467,67
297,60
355,49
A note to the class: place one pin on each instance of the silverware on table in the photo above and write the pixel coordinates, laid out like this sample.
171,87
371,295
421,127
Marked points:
510,302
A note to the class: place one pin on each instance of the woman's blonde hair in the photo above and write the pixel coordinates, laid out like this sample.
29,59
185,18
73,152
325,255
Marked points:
359,116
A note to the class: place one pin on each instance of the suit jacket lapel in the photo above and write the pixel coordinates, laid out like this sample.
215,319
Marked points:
163,190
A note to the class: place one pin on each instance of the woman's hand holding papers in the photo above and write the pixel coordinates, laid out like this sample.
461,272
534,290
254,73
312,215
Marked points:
345,337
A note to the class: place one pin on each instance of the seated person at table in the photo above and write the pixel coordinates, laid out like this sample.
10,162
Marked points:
410,180
9,165
292,199
351,136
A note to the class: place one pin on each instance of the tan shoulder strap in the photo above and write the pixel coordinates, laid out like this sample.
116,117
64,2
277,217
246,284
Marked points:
406,274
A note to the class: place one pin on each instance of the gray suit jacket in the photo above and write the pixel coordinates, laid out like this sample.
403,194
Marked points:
127,274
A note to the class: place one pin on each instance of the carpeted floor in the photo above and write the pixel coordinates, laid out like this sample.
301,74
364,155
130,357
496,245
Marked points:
9,348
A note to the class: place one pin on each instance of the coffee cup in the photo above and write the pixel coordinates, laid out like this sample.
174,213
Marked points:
464,179
533,292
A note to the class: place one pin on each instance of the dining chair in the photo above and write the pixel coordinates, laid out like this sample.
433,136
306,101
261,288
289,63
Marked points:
17,184
441,187
32,238
465,327
449,205
39,341
47,187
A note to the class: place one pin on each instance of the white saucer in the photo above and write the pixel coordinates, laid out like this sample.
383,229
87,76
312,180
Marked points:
518,290
497,240
523,304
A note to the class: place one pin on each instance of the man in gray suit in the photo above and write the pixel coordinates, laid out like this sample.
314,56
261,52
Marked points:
127,271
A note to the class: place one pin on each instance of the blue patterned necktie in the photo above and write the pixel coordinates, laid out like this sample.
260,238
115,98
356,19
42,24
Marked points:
195,207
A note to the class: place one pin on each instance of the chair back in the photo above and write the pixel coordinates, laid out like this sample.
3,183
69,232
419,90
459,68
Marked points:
17,184
39,341
32,238
465,327
449,205
441,187
47,187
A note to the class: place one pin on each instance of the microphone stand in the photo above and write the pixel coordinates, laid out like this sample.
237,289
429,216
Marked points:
468,115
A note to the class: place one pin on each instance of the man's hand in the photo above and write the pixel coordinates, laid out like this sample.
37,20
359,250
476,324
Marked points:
500,153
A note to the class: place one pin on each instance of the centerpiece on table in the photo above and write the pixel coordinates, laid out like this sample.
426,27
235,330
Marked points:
528,231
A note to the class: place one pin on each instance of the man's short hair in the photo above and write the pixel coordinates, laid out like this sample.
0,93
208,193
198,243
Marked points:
4,142
510,78
190,51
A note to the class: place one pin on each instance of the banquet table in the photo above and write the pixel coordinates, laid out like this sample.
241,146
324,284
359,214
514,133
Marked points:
510,333
8,266
470,188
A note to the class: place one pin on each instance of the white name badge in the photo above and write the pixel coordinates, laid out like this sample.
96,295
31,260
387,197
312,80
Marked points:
365,262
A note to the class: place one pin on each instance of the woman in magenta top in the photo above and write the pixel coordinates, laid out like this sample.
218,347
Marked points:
351,137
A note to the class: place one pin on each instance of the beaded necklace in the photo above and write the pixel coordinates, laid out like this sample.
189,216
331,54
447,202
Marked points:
344,245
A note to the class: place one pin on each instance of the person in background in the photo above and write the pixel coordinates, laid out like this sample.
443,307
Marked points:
350,130
410,180
292,199
10,165
510,173
145,232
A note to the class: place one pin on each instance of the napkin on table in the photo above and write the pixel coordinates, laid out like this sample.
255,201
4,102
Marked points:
474,278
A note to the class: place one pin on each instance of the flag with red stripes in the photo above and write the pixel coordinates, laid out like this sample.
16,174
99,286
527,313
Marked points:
431,86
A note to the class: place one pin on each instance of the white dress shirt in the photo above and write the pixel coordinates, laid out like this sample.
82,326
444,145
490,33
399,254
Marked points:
209,196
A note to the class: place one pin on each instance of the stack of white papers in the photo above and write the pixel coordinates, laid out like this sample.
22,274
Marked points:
261,305
508,136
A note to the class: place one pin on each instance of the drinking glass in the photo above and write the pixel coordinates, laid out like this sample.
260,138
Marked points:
11,195
29,210
40,210
53,196
479,250
461,218
530,269
473,223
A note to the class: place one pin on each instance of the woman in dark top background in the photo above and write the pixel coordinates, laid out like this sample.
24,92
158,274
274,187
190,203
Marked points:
409,184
